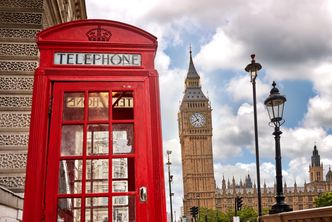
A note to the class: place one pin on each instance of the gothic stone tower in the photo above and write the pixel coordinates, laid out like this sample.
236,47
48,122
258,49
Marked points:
195,132
316,168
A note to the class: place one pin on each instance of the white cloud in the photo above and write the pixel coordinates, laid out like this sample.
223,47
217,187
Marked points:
230,133
170,98
129,10
240,88
296,169
322,80
319,107
221,52
319,112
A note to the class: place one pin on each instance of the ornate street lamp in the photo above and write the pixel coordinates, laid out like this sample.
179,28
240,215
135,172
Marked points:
253,69
170,180
275,108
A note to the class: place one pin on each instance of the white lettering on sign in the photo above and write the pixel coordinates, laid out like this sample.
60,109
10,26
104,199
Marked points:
97,59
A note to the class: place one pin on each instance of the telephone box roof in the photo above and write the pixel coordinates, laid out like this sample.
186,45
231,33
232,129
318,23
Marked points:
97,31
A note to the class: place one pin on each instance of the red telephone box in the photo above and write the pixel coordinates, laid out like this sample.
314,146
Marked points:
95,148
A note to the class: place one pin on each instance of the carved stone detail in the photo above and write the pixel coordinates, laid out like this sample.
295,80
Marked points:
13,83
12,182
18,66
14,139
21,18
18,49
13,160
36,4
17,102
14,120
18,33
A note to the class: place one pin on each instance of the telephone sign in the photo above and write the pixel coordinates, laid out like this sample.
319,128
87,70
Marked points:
97,59
95,148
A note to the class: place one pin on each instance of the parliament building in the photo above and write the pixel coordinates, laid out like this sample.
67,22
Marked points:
298,197
199,186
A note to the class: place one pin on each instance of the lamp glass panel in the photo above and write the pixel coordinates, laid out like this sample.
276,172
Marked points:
275,111
278,105
253,74
270,112
281,109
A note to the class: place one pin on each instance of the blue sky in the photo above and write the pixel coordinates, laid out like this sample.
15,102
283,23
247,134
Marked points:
293,42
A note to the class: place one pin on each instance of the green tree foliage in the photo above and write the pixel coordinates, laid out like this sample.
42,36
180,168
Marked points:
265,211
212,215
324,199
246,214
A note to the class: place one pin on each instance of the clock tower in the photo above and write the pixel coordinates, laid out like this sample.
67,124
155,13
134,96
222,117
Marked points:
195,132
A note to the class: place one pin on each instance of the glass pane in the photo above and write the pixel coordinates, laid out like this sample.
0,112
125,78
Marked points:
97,176
96,209
98,106
70,177
123,138
123,105
73,106
123,173
120,200
69,210
72,140
120,186
119,168
123,209
97,139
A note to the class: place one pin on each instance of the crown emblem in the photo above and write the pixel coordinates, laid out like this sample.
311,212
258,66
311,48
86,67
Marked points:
98,34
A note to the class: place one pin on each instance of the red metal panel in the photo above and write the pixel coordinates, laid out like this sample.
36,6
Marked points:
158,166
35,176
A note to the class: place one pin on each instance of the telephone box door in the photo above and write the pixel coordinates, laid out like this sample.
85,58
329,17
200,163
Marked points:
96,162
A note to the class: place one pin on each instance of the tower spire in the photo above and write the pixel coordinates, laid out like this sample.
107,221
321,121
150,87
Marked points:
316,168
193,91
315,158
192,73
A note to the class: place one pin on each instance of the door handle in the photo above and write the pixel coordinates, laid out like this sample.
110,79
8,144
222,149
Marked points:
143,195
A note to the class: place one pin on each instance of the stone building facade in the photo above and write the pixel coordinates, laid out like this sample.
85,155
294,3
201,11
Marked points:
298,197
20,21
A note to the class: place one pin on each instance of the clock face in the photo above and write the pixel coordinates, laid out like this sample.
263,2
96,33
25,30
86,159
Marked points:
197,119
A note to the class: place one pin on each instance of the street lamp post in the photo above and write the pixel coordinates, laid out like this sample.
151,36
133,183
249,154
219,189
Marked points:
170,180
275,107
253,69
198,196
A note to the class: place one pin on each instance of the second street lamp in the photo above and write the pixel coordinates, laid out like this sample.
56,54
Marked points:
170,180
253,69
275,108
